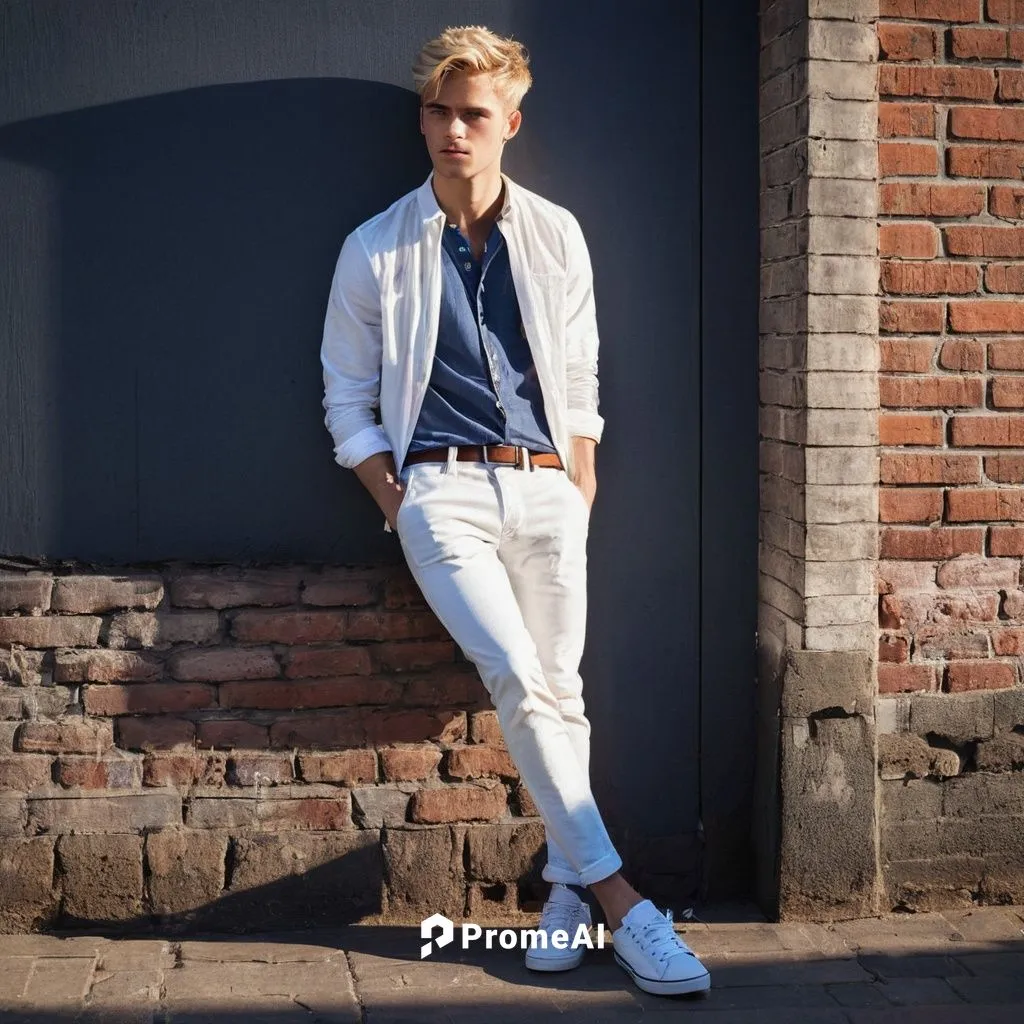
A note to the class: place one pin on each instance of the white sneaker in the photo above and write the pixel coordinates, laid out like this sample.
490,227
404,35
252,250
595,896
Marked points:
563,910
655,957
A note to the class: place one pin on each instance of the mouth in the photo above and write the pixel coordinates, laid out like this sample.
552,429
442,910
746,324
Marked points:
454,152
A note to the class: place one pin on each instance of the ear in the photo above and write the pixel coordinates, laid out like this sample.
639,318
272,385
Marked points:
515,119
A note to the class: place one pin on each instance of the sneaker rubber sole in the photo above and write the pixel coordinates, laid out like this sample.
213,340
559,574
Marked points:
700,983
572,958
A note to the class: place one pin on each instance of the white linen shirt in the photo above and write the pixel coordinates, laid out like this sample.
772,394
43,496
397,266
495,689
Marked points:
380,332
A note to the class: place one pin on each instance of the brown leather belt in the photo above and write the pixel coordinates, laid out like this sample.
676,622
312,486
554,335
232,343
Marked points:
498,454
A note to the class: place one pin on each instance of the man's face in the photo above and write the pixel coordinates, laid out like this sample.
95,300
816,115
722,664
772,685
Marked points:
466,125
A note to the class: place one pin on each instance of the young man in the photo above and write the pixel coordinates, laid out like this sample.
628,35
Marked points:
465,313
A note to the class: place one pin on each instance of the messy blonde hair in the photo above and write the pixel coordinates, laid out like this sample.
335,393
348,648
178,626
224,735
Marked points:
475,49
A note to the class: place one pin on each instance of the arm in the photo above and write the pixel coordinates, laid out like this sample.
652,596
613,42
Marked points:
581,343
351,359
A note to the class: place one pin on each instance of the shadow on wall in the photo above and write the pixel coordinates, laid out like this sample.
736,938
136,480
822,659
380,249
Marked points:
179,251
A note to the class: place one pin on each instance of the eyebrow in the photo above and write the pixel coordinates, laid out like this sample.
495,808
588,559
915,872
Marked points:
466,110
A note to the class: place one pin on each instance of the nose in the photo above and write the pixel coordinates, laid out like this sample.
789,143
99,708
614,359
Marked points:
456,129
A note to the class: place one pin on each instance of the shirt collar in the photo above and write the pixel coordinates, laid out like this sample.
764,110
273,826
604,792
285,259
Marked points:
431,211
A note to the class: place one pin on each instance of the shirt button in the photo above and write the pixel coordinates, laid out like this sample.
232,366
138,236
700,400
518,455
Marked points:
468,266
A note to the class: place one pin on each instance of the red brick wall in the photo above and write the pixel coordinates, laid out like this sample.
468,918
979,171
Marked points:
171,741
951,500
951,238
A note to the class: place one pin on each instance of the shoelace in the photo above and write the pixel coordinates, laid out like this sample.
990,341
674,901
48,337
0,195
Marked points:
659,940
557,915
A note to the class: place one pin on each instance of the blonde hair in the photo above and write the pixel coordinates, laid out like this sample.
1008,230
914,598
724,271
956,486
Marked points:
475,49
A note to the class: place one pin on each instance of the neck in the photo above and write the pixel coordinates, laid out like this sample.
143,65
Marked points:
469,202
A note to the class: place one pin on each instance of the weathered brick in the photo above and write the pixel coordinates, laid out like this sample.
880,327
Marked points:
985,161
409,764
908,241
979,316
230,733
1008,392
50,630
935,278
922,468
148,698
424,871
1013,600
1001,754
226,663
978,573
1009,12
978,675
85,772
347,767
31,901
413,726
901,576
966,356
156,733
458,803
340,587
25,592
289,627
23,772
83,736
905,756
909,505
1011,85
959,719
105,667
380,806
905,355
296,694
233,588
406,657
971,505
930,10
262,769
478,761
1006,201
19,667
107,812
102,876
976,794
402,591
305,662
909,317
161,629
181,771
311,813
909,429
1000,125
1005,468
504,853
485,728
1006,540
458,685
921,199
907,158
930,543
185,869
1006,355
893,649
973,240
90,595
394,626
906,42
916,120
987,431
977,43
938,81
1005,277
937,391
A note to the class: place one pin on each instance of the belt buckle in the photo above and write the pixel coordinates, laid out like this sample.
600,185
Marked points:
522,457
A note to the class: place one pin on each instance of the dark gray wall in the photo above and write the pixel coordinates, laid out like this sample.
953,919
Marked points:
175,180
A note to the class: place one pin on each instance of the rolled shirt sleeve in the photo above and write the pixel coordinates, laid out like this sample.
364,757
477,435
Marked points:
351,358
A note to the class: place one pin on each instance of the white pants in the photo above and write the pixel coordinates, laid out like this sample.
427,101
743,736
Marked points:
500,555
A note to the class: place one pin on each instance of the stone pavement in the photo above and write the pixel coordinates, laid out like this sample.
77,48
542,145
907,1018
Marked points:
958,967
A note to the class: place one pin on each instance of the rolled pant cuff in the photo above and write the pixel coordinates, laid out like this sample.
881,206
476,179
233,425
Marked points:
595,872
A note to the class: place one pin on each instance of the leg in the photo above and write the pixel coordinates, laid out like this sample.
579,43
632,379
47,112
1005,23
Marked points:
546,559
450,525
